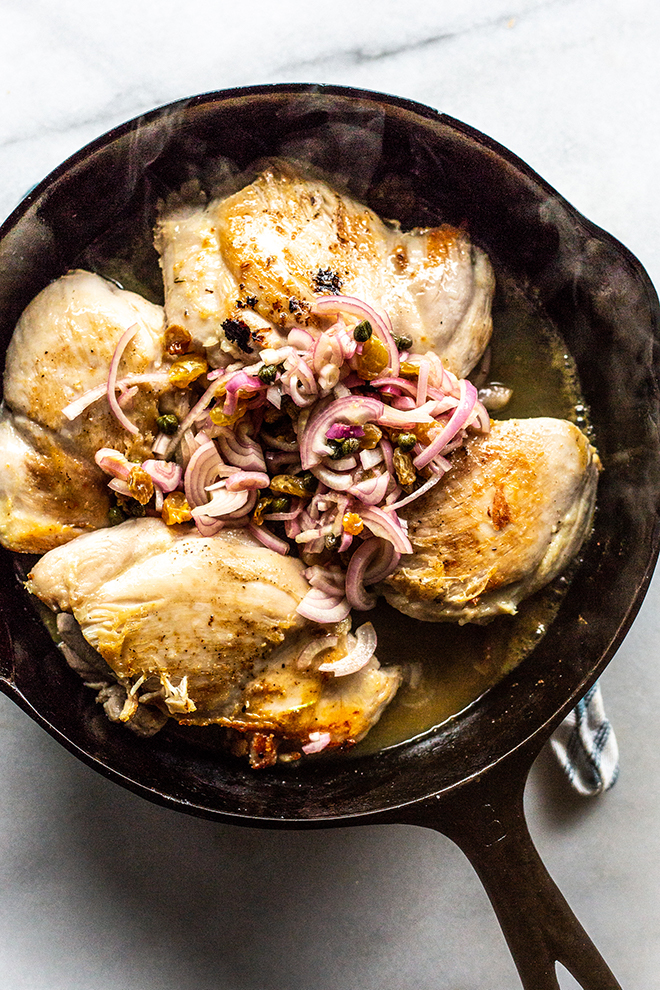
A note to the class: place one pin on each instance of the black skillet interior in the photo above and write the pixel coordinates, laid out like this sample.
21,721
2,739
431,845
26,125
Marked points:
410,163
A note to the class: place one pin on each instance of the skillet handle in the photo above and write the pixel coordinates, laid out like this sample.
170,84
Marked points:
485,818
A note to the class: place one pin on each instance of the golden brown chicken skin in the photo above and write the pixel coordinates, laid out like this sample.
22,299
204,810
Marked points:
507,518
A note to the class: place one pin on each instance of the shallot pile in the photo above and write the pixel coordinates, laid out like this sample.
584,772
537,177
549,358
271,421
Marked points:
314,446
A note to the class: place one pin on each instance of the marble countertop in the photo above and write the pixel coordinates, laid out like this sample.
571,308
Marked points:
99,888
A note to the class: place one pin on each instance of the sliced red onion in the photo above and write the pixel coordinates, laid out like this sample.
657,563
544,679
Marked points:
370,458
423,381
160,445
379,320
193,415
318,741
390,384
265,536
338,482
165,474
458,419
404,402
120,486
125,396
326,579
355,409
318,645
358,597
75,408
241,450
113,462
386,525
398,420
422,490
382,564
222,503
358,657
371,491
345,464
300,338
242,480
116,409
208,526
320,607
201,472
274,396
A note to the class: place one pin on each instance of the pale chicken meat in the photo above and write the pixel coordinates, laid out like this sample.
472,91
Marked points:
508,517
202,296
210,627
50,487
259,258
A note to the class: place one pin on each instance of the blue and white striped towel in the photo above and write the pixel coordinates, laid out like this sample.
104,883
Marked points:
586,746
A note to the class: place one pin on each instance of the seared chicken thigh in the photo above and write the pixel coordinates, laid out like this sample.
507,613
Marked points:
201,294
259,258
506,519
210,624
50,487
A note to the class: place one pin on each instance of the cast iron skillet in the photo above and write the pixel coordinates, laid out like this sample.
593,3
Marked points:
466,778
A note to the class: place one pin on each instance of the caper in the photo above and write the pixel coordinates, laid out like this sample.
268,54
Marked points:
168,423
363,331
406,441
331,541
403,341
280,504
308,481
336,449
115,515
267,373
350,445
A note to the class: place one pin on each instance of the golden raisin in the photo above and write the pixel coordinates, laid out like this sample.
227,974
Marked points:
175,509
291,484
177,340
185,370
373,359
409,370
372,436
222,419
403,465
352,523
140,484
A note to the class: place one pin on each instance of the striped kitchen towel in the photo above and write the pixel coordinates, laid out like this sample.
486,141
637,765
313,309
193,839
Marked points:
586,746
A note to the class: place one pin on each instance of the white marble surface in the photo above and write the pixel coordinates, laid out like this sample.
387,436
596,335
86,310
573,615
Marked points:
101,889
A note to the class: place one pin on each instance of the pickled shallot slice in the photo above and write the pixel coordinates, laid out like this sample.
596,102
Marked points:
361,651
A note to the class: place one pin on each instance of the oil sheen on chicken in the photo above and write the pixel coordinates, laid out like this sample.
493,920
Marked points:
508,518
50,487
260,257
208,628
